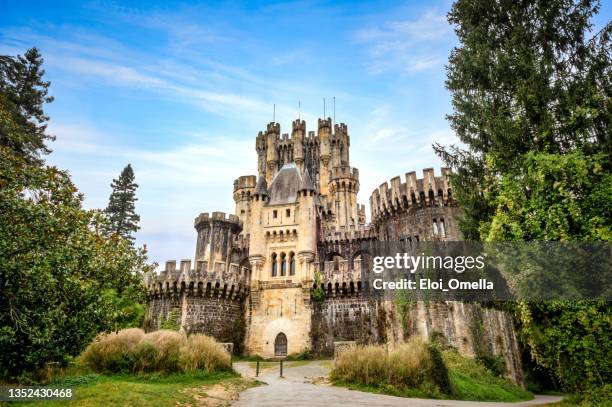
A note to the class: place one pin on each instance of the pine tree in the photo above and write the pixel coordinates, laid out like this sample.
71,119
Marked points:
529,76
23,94
120,211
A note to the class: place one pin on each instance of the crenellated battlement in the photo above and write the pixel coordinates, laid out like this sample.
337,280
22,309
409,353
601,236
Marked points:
273,128
349,234
345,172
299,125
341,278
245,182
325,124
340,129
415,192
205,218
221,280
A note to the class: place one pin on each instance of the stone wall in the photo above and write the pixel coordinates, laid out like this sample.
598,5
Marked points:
355,318
219,317
470,328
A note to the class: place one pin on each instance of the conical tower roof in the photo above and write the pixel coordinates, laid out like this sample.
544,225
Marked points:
306,184
262,187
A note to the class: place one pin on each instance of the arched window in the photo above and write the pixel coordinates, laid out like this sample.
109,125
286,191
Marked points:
442,229
280,345
291,264
435,228
274,265
283,264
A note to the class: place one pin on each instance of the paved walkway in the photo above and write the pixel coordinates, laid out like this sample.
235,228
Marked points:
296,389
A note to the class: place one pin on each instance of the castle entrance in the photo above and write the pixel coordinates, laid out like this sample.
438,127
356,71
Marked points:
280,345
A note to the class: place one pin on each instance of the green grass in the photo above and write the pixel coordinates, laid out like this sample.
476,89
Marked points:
138,390
469,379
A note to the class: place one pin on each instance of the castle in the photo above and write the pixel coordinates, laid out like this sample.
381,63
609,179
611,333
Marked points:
287,272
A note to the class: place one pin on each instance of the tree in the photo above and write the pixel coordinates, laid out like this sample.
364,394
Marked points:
531,89
121,211
23,94
527,77
62,280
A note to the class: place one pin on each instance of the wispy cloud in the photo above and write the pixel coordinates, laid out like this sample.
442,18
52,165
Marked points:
406,45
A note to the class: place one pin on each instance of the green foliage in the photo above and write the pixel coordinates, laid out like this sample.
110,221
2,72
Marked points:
531,99
303,355
63,281
571,338
526,78
23,93
439,371
420,369
121,210
172,322
493,363
317,294
551,197
472,381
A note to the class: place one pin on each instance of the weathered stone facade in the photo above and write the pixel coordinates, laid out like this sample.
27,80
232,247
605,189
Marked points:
289,271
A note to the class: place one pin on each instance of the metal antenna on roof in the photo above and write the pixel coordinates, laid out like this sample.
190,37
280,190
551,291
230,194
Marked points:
334,110
323,108
299,110
274,114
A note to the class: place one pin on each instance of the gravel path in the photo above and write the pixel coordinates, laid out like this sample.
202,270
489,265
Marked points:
296,389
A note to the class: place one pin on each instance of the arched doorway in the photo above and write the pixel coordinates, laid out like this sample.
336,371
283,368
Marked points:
280,345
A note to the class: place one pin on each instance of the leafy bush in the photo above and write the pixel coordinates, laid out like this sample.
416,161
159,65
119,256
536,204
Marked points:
494,363
130,351
172,323
63,280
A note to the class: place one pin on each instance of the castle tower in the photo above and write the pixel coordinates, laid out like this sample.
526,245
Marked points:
215,237
283,245
272,135
257,249
324,135
343,189
297,135
243,188
343,142
425,206
307,241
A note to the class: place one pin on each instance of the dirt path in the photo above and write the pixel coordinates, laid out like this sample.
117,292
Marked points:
296,389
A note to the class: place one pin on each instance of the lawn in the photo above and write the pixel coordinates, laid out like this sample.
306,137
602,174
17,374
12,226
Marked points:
151,390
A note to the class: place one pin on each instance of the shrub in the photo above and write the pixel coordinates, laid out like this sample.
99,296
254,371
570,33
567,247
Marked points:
165,358
412,365
494,363
409,364
164,351
111,352
202,352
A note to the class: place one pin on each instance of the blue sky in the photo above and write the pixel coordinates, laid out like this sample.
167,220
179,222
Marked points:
180,90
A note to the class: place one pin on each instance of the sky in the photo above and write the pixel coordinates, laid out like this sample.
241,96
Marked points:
180,90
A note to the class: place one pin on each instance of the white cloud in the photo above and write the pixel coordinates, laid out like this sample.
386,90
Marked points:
406,45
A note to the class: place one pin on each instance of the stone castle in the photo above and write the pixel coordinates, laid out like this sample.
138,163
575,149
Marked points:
287,272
